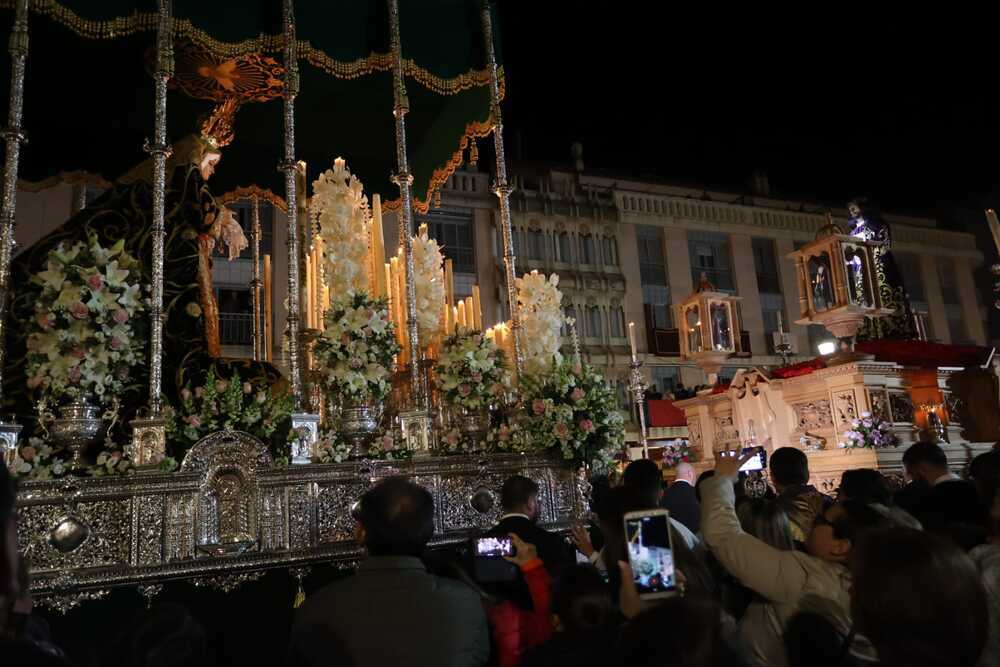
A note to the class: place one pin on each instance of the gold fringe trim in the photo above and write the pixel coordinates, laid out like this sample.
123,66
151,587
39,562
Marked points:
252,191
146,22
68,177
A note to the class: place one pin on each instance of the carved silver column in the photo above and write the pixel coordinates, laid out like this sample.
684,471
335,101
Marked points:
288,166
404,179
13,138
255,281
160,150
638,389
501,187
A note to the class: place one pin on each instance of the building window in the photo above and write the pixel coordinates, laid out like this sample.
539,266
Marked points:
594,328
242,210
653,273
565,249
664,379
453,232
617,322
536,245
235,316
588,251
610,251
710,255
949,287
766,266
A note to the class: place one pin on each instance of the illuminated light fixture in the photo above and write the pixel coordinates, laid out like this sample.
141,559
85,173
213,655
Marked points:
827,347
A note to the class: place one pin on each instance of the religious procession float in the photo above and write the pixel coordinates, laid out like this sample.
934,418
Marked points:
145,456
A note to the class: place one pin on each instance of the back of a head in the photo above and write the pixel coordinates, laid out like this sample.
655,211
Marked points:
398,518
685,471
865,484
789,466
164,636
582,600
678,631
858,519
925,452
645,477
811,640
768,521
517,492
918,598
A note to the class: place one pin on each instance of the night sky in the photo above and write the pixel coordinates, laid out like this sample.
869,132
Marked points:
902,108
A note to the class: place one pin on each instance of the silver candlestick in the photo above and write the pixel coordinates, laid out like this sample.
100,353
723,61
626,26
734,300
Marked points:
638,389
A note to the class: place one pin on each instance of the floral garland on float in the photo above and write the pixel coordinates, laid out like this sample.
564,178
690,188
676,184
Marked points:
86,336
221,404
869,432
540,314
341,211
675,453
471,378
428,283
570,410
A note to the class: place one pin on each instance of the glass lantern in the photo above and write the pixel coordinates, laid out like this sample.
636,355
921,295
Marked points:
710,322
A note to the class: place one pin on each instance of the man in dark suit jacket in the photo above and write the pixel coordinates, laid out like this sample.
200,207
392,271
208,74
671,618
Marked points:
392,611
519,502
679,499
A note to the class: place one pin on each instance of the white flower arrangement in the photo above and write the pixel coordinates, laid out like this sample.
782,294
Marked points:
36,459
342,211
355,350
86,334
428,283
540,311
470,372
333,449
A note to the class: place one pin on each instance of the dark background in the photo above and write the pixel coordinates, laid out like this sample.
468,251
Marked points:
831,102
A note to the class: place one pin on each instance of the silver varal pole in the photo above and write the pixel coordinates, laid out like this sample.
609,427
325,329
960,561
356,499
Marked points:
502,188
289,167
13,138
638,388
404,179
160,150
255,281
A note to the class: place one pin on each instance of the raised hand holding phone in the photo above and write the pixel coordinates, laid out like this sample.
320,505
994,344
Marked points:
581,540
728,465
523,552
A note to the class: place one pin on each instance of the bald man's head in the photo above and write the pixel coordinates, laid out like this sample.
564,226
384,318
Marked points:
685,471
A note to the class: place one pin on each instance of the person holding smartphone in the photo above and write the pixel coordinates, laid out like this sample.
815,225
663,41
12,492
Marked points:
783,579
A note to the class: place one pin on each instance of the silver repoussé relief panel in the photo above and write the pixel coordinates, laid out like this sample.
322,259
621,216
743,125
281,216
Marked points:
230,513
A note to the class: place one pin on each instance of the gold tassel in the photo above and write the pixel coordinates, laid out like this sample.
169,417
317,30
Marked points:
300,597
473,154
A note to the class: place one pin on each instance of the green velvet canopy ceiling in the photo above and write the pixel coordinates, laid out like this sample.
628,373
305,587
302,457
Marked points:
89,94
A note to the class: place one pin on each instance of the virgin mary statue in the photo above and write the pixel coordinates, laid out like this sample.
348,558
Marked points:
195,226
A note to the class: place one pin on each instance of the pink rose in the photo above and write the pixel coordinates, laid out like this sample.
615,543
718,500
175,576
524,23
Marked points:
355,363
75,374
464,390
538,406
561,431
387,442
28,453
452,437
199,391
369,314
344,339
186,394
477,339
120,316
503,433
477,377
221,386
247,388
78,353
79,310
586,425
194,420
95,281
577,395
34,381
116,343
43,320
115,457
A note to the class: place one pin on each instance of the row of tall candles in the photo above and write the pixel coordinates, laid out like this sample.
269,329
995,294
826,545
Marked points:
388,279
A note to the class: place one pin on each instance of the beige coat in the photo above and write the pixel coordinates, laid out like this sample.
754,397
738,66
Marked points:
786,579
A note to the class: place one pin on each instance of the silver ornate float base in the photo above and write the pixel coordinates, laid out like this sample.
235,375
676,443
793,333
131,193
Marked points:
230,513
77,427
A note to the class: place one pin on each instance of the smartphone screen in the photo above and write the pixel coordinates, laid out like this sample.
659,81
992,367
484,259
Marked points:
757,462
650,554
494,547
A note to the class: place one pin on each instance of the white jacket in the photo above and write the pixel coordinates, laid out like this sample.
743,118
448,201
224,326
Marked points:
783,578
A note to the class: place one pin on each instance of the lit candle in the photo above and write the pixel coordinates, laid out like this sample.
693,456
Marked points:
470,318
991,217
631,339
422,231
781,325
378,247
267,308
386,281
307,305
449,282
477,308
461,314
324,303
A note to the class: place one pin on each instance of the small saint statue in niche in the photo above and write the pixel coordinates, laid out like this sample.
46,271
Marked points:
821,293
694,328
720,327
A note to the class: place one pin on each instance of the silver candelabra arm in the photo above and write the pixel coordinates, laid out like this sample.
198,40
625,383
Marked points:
638,388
